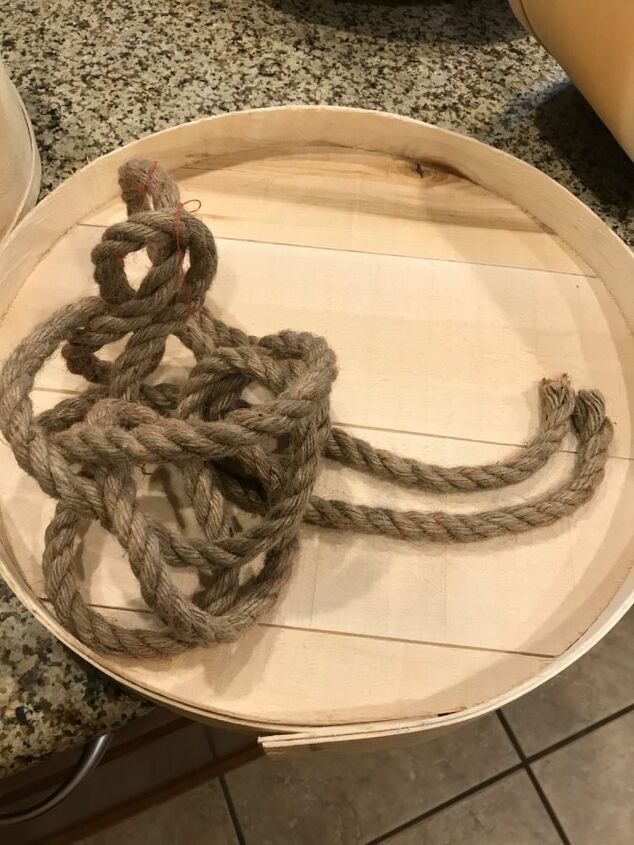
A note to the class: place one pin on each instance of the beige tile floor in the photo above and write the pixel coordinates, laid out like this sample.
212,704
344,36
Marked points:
553,767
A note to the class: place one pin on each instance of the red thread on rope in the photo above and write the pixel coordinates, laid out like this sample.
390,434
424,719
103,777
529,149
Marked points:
198,207
180,255
147,183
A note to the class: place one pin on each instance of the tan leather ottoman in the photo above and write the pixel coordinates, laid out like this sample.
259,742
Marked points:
593,40
19,159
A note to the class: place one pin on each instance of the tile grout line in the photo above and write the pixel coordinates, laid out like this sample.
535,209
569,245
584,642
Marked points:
231,808
562,743
533,779
467,793
523,765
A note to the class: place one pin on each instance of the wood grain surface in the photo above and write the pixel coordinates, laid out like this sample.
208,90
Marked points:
446,303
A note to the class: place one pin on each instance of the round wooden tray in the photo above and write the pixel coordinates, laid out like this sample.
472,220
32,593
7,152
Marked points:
449,278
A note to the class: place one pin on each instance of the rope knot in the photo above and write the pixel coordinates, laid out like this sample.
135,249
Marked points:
145,185
247,469
168,236
109,412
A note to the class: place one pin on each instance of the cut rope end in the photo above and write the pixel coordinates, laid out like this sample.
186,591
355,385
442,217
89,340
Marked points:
589,414
557,396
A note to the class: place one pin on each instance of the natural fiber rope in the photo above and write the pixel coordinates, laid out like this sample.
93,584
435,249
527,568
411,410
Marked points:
263,459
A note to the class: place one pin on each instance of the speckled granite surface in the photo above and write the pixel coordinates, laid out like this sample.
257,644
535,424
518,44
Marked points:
95,74
49,699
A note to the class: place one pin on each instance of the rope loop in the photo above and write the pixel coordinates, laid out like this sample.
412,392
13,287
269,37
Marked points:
248,469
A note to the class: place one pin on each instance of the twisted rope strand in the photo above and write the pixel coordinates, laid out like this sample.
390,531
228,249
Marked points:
234,457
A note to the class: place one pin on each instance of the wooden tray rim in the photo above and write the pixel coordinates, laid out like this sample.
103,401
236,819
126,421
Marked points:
494,169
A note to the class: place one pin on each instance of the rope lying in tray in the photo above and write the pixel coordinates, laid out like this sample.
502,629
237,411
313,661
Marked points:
262,458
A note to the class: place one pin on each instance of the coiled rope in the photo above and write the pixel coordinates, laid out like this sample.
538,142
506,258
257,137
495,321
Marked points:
261,458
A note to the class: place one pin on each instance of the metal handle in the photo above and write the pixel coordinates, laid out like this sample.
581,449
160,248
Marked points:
91,755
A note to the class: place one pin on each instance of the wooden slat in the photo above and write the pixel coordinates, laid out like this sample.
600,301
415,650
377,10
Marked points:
250,679
339,198
532,593
529,594
423,346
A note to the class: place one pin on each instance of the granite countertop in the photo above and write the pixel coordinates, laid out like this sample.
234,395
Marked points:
95,74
